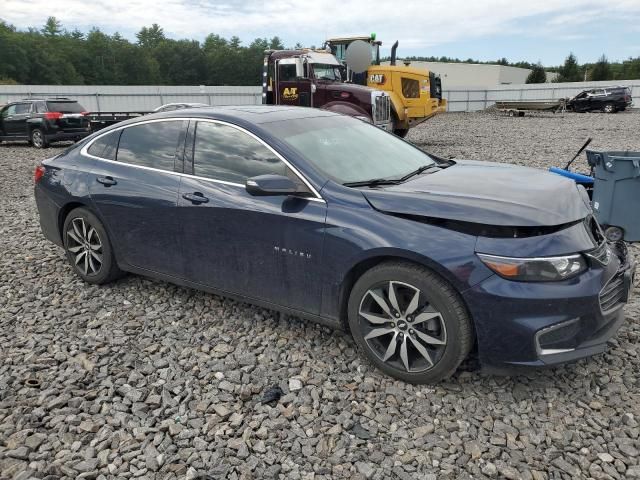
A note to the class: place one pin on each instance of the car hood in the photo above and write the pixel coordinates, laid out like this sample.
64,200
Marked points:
487,193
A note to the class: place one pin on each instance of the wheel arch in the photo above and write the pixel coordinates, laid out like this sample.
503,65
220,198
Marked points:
64,212
365,264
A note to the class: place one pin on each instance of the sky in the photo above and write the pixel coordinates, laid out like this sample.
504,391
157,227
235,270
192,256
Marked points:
531,30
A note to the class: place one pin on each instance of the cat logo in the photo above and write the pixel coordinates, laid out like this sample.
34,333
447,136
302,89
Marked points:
290,93
376,78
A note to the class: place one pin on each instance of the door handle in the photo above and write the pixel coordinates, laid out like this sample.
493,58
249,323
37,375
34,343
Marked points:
106,181
196,198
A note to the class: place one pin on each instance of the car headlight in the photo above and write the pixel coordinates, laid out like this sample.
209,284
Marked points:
540,269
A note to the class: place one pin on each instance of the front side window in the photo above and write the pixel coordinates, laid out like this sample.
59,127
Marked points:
10,110
287,72
225,153
151,144
105,146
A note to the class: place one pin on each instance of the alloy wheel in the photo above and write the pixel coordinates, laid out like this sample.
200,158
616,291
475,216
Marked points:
37,139
609,108
401,327
85,246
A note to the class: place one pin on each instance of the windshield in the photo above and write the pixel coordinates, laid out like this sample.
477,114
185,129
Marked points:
349,150
323,71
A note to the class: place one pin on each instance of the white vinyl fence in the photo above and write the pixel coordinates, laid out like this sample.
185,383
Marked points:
471,100
132,98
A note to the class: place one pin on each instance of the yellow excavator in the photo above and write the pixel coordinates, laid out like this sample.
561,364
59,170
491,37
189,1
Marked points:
416,94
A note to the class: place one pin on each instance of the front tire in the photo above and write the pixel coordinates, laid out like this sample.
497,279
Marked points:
88,248
409,323
37,138
400,132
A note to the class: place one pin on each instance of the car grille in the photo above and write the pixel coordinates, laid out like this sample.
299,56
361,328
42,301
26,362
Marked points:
381,108
613,292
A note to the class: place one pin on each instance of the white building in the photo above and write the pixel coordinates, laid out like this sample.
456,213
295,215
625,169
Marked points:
477,75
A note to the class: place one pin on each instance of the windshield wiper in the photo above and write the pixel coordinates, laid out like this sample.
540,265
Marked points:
418,171
372,182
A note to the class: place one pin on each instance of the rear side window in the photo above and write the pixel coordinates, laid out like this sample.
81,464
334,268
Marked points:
65,107
40,107
226,153
106,146
151,144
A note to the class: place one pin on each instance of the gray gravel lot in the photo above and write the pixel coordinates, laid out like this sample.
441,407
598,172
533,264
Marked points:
142,379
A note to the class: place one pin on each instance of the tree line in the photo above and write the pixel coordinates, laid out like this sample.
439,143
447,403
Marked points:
54,55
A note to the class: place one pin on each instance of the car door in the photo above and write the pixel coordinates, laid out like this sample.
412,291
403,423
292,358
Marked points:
136,189
598,99
581,102
14,119
293,90
268,248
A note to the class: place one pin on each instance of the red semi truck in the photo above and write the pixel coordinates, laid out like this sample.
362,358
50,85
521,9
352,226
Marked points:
314,78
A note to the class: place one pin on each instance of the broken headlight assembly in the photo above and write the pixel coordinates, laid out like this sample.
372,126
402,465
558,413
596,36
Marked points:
539,269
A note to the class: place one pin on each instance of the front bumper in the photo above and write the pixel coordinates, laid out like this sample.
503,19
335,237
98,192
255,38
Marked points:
539,324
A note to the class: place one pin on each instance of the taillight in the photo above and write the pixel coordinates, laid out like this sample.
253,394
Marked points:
53,115
38,173
84,114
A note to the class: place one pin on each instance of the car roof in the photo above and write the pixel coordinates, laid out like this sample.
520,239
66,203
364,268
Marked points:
252,114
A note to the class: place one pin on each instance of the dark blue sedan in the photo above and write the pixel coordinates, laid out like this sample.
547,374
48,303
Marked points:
324,216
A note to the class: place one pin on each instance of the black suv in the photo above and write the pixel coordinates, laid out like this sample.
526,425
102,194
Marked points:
604,99
41,121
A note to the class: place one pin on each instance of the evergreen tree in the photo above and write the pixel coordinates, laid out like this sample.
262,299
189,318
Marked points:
537,75
570,71
601,70
150,37
52,28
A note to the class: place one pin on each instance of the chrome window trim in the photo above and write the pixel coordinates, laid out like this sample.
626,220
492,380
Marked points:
85,151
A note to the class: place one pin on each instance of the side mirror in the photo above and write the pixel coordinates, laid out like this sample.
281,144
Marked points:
266,185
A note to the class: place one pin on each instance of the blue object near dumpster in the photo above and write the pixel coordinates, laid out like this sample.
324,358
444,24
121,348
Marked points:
578,177
616,193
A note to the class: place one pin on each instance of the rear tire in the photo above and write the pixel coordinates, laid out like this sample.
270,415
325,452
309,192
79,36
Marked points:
609,108
37,138
419,333
88,248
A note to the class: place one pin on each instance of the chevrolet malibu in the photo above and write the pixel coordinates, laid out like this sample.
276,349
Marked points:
324,216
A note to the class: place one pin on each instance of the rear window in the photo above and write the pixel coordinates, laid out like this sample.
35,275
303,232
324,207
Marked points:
65,107
106,146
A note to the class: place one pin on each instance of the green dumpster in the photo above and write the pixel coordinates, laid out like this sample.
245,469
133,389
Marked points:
616,193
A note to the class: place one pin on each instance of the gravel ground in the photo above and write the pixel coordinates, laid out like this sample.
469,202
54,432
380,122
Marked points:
142,379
